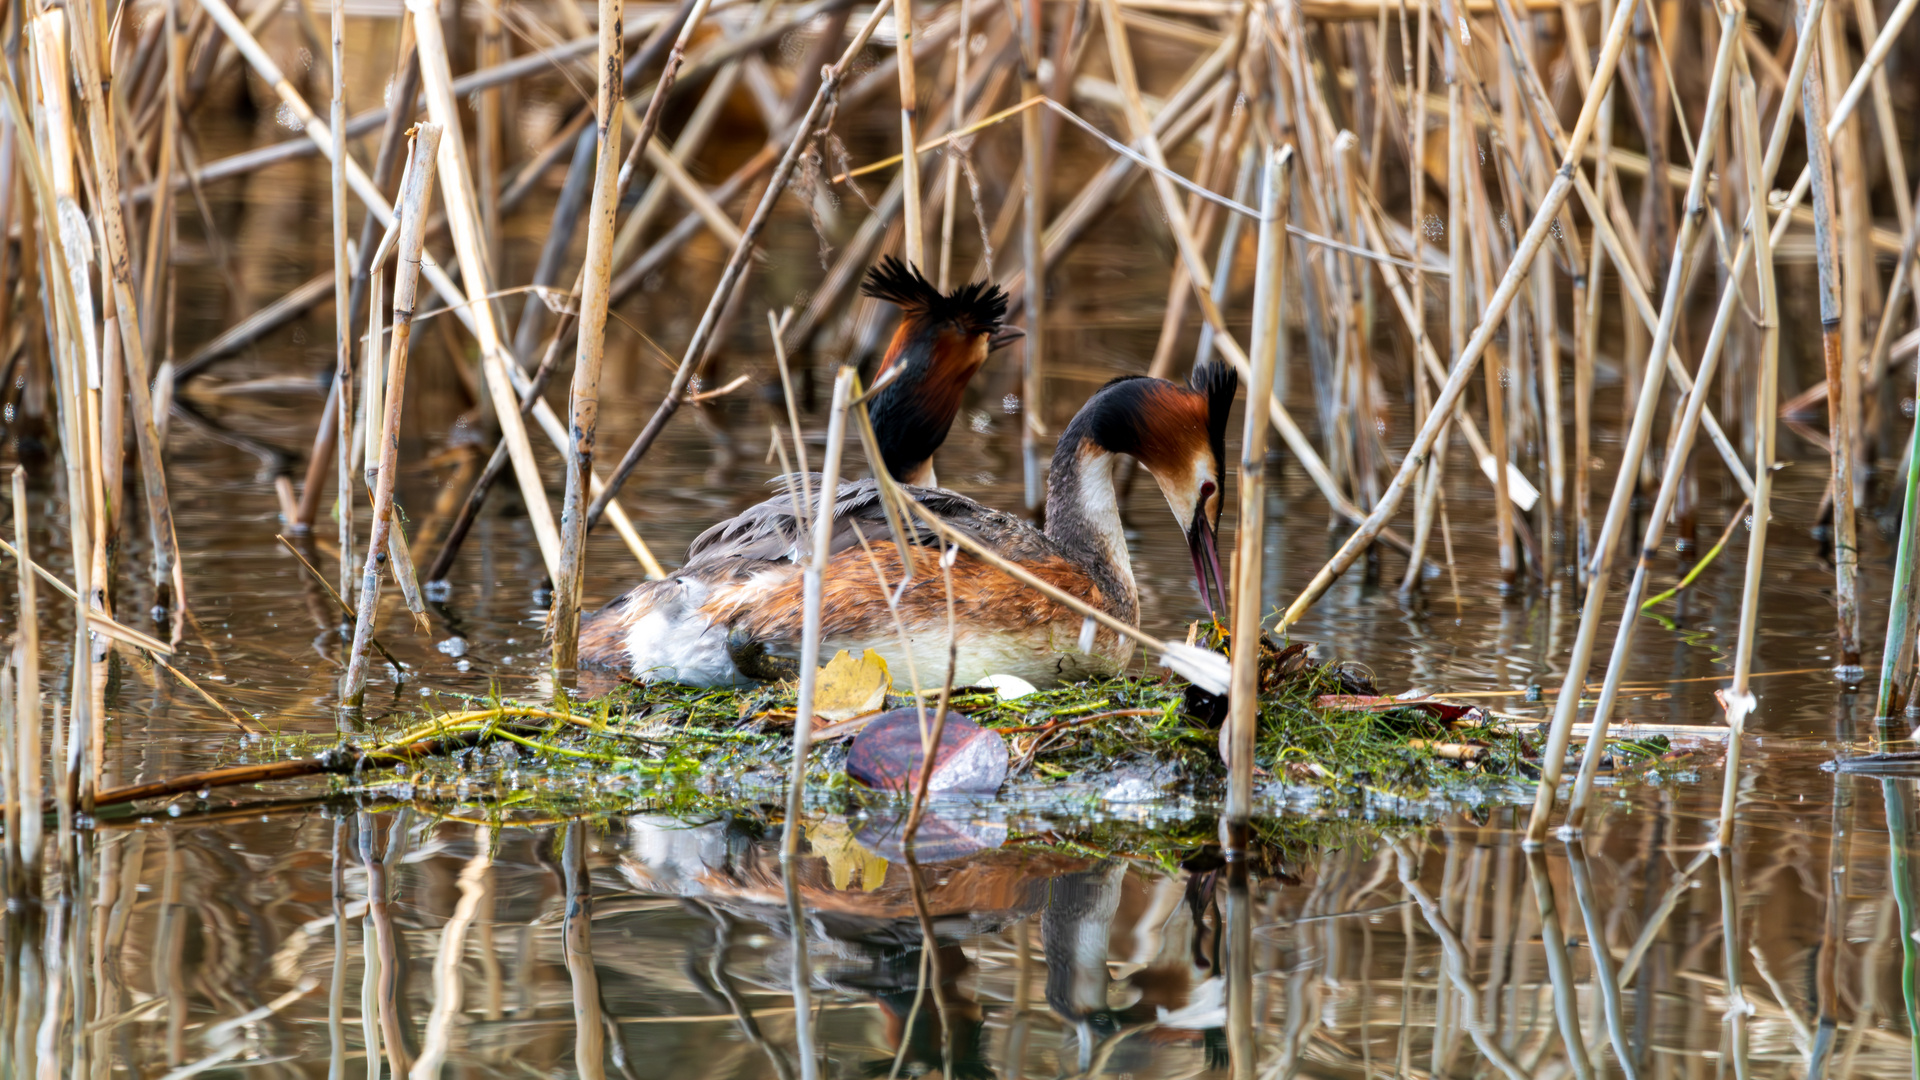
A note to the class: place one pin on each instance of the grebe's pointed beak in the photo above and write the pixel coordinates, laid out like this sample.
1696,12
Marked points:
1203,545
1004,337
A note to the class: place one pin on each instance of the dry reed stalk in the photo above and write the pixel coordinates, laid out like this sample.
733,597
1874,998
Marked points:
1496,306
343,315
736,265
1678,455
1749,245
26,783
1143,133
1033,356
98,622
1740,695
1860,274
1417,65
1354,282
812,577
1635,279
963,50
1467,174
592,339
1586,315
1434,469
1269,347
76,372
1888,122
470,247
373,366
1842,408
474,310
110,435
914,221
95,89
530,389
489,135
1627,487
416,196
1228,128
11,878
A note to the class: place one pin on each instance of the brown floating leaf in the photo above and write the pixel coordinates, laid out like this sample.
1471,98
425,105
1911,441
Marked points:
887,755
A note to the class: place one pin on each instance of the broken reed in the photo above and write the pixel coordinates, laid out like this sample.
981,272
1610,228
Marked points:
1537,197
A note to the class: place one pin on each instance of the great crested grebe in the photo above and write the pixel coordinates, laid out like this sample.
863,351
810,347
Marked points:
732,615
942,340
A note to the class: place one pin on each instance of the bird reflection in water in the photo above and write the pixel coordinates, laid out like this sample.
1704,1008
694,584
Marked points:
1127,961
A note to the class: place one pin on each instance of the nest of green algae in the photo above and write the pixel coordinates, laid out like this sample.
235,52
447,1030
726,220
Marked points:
1322,726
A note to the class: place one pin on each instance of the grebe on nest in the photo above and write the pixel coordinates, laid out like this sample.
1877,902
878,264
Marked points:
732,615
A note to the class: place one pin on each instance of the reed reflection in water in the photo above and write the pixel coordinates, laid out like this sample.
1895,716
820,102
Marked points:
330,940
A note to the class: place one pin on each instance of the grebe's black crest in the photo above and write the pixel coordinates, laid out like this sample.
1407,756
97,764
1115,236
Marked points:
1218,382
978,308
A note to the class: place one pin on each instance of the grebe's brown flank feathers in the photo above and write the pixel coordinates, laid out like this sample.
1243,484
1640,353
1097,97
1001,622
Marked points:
942,340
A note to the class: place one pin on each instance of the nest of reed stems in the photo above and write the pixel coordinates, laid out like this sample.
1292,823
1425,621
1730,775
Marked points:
1324,732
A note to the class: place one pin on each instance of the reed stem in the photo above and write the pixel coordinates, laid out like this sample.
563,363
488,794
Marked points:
1593,606
463,220
343,316
416,196
1843,405
1495,311
1268,353
818,553
1033,355
27,783
1766,412
736,265
590,349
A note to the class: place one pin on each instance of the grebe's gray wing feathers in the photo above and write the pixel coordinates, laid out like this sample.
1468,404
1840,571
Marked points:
771,530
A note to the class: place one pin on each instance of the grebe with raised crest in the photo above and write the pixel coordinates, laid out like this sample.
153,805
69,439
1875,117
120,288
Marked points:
733,614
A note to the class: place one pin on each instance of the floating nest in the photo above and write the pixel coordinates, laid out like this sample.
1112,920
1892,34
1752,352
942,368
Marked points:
1325,733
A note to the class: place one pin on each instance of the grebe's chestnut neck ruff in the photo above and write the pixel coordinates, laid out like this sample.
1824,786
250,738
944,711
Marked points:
943,338
733,614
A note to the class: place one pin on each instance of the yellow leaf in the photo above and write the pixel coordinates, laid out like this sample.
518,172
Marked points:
848,688
832,840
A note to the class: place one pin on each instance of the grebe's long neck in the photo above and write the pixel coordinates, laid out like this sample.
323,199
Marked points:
1083,517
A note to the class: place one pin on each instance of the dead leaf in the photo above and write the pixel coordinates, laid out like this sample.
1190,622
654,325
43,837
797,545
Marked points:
833,842
888,754
848,687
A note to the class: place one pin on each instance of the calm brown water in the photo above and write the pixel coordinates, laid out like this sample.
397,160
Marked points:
1076,934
